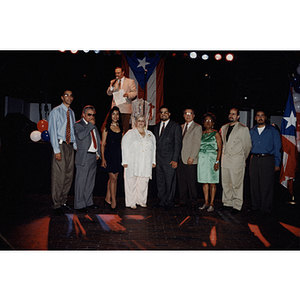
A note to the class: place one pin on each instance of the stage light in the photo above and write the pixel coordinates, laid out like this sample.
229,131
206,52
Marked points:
118,52
62,51
86,51
184,55
205,57
73,51
229,57
193,55
218,56
173,54
97,51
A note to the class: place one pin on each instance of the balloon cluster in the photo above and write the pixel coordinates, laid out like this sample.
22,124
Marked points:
296,98
41,133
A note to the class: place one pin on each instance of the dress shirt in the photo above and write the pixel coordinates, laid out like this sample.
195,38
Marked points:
92,148
161,125
58,124
122,81
188,125
268,142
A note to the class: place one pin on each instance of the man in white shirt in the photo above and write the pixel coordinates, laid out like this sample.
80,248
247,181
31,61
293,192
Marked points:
121,83
88,149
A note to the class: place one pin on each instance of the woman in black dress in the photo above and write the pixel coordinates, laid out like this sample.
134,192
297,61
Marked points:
112,132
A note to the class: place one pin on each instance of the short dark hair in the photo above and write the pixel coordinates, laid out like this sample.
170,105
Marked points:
164,106
194,112
209,114
237,110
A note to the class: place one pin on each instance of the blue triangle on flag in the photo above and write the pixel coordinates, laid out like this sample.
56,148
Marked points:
138,67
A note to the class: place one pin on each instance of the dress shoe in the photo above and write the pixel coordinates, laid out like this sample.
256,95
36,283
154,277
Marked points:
106,203
225,207
66,207
113,209
92,206
234,211
210,209
180,204
82,210
204,207
58,212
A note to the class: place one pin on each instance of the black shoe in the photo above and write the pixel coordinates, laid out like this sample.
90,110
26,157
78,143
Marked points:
234,211
167,207
180,204
82,210
225,208
66,207
58,212
92,206
157,205
113,209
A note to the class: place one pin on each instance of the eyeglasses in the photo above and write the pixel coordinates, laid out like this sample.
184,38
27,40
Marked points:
188,113
91,115
208,120
66,95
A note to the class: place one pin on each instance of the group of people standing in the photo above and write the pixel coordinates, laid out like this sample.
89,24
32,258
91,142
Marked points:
189,154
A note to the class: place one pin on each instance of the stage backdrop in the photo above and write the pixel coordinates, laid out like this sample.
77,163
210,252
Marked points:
148,75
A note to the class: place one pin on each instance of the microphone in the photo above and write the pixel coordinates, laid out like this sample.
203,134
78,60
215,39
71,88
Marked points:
115,81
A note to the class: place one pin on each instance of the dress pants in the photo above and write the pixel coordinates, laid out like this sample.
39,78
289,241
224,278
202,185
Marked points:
262,171
62,175
187,182
136,190
125,121
166,184
85,182
233,187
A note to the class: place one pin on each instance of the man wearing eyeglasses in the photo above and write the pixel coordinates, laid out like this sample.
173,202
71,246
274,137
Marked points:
62,138
187,166
88,152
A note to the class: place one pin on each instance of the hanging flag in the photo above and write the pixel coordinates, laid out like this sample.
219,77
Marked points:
289,147
148,75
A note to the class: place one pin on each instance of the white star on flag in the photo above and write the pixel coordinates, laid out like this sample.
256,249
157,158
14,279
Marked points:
143,63
291,120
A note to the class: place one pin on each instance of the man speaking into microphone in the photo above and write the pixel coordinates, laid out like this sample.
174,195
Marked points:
124,88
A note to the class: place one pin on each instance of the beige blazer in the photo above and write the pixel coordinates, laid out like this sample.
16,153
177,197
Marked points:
191,143
236,150
129,87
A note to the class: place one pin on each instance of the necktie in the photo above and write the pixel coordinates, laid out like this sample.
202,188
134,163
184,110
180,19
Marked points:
162,129
94,139
120,84
68,131
185,129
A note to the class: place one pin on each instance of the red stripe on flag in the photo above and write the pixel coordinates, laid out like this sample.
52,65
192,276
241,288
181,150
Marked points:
159,87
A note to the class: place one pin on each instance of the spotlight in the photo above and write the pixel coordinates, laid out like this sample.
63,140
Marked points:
97,51
229,57
193,55
205,57
86,51
218,56
173,54
184,55
73,51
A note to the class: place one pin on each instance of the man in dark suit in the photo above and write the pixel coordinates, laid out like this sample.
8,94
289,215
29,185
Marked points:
88,149
168,146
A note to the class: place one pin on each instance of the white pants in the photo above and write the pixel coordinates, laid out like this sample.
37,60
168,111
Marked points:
136,190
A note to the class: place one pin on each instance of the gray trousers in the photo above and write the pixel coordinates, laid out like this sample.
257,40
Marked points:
62,175
85,182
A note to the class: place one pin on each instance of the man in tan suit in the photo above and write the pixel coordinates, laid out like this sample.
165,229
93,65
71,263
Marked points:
187,167
236,148
129,88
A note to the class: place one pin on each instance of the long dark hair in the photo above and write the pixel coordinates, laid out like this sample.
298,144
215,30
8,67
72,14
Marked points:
108,120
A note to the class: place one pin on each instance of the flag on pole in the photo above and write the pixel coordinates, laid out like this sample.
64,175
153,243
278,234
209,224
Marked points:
289,146
148,75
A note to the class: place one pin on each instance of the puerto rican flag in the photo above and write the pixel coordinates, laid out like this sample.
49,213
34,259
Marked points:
148,75
289,146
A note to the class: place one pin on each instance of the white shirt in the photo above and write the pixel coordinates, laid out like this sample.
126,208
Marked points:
188,125
122,81
161,125
260,129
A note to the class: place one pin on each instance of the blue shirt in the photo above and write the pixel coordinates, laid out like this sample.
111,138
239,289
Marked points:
268,142
57,126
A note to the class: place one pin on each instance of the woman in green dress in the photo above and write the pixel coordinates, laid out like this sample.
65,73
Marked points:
208,161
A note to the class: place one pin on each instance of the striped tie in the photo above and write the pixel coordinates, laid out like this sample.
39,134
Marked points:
68,131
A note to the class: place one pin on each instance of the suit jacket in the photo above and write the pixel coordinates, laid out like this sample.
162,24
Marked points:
191,143
236,150
129,87
84,140
168,145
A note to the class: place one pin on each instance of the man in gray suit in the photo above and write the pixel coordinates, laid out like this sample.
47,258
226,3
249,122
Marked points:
187,167
236,148
88,149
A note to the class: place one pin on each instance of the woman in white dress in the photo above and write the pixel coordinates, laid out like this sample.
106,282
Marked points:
138,159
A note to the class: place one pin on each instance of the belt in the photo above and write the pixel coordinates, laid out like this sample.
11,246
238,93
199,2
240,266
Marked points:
261,155
92,153
62,141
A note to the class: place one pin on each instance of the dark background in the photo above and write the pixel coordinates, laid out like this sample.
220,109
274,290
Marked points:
39,76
